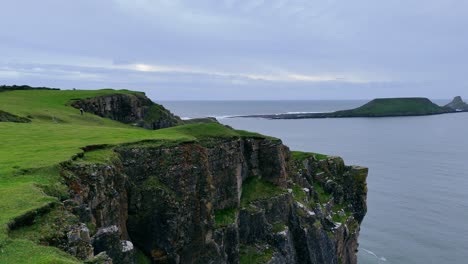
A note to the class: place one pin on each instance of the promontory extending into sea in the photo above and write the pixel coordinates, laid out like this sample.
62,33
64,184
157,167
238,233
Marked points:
108,176
382,107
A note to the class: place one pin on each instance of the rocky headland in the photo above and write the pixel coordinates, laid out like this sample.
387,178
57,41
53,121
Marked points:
227,197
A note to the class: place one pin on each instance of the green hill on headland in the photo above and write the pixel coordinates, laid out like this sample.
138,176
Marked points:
383,107
393,107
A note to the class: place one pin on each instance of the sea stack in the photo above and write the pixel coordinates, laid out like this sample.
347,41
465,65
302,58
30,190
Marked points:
457,104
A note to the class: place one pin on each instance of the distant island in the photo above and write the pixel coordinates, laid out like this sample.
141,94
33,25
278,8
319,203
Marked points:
383,107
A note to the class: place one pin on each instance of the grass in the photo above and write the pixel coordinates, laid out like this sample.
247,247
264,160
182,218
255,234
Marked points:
322,194
101,156
225,217
252,255
278,227
248,134
30,153
21,251
341,218
46,226
141,258
254,189
300,156
299,194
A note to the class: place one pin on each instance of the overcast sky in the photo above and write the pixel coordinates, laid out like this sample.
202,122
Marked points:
239,49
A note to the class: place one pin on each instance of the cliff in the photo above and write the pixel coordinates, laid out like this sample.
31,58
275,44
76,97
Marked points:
187,194
132,108
239,200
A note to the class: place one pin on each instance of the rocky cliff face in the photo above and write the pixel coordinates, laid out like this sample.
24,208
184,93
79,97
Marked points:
238,200
134,109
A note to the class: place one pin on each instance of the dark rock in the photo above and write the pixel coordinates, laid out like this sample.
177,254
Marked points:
7,117
134,109
79,242
228,240
108,240
253,226
457,104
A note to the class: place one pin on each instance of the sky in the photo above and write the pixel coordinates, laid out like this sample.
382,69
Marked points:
239,49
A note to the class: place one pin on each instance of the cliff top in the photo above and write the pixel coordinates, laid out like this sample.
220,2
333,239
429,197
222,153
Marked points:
30,153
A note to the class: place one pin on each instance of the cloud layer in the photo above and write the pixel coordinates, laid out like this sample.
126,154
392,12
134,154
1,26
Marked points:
213,49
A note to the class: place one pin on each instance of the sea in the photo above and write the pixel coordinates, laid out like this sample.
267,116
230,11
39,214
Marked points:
418,171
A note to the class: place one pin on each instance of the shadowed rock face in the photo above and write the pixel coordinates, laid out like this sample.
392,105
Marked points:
134,109
7,117
196,203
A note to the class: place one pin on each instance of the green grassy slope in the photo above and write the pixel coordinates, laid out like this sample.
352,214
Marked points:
394,107
30,152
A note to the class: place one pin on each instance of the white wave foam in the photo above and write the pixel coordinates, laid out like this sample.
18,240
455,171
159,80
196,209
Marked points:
302,113
375,255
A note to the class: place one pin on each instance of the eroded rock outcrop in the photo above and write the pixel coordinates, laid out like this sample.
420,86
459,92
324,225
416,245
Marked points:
220,201
7,117
457,104
129,108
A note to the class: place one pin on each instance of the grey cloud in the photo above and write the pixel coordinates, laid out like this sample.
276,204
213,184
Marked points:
419,45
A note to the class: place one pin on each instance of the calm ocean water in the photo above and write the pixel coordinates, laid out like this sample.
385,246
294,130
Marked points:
418,179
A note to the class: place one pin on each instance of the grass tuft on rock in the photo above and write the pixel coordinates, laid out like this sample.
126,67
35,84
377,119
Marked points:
254,189
225,217
252,255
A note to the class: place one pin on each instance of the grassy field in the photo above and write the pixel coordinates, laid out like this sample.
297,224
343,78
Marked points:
30,152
